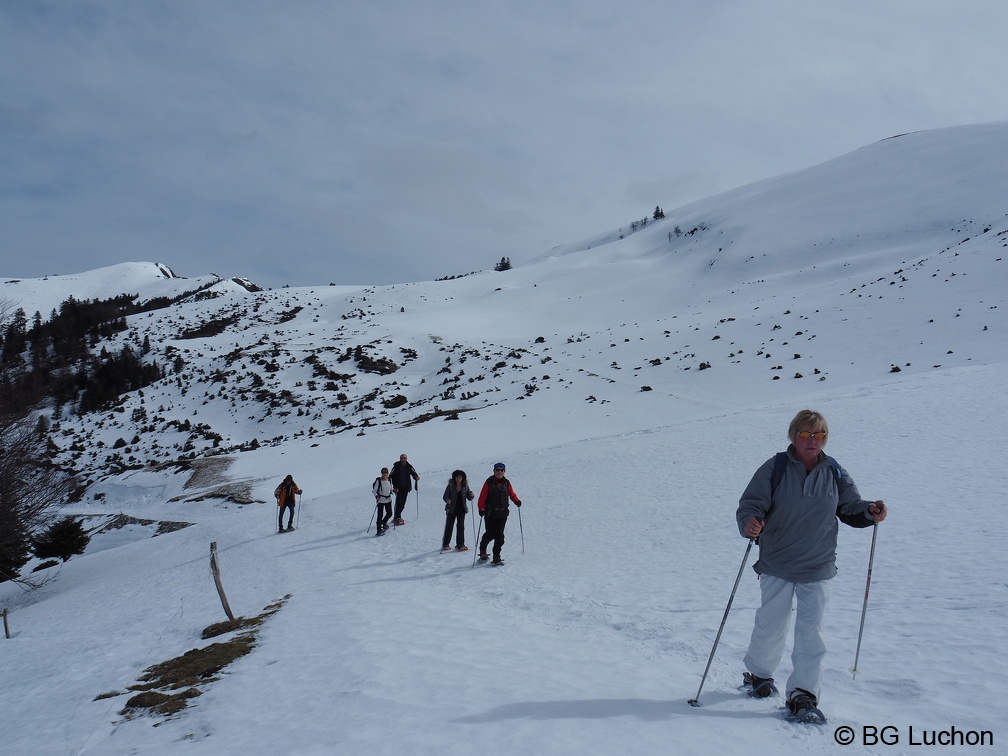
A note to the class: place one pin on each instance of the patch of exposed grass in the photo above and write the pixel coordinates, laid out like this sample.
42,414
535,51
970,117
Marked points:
122,520
447,414
166,688
239,623
239,491
208,471
167,526
157,702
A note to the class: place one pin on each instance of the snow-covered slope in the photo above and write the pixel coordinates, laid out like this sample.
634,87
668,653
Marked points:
632,386
886,260
146,281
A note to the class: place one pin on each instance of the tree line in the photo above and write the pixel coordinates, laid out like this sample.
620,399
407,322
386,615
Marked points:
53,363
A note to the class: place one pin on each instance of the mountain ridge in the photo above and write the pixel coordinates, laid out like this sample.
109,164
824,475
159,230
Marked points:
676,316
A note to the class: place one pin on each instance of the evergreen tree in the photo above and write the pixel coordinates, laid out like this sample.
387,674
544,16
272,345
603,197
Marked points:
14,546
31,487
15,337
62,539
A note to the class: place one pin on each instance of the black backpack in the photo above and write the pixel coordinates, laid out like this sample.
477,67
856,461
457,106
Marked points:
497,497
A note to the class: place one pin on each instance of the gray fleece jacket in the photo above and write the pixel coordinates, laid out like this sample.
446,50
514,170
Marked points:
799,537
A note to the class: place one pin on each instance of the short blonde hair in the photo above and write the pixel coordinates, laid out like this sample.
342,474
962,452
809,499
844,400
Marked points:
808,420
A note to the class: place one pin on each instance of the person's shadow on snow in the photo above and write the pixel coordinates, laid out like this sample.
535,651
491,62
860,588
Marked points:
646,710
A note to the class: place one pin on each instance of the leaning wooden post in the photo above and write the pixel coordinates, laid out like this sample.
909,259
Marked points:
6,627
215,568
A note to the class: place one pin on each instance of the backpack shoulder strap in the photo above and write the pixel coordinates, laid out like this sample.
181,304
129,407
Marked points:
837,470
779,464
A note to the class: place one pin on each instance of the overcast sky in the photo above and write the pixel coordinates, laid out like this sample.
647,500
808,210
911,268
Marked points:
383,141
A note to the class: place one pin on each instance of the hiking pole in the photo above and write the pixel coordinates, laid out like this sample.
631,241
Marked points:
864,607
477,540
298,521
375,512
521,530
696,700
418,499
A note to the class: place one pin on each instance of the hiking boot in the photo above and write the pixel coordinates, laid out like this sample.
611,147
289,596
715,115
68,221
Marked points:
484,558
281,530
801,700
446,547
399,521
759,687
497,560
462,548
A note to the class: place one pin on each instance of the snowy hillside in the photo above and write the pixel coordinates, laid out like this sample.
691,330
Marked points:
632,382
146,281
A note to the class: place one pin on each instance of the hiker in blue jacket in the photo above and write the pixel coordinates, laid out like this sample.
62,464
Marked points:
795,521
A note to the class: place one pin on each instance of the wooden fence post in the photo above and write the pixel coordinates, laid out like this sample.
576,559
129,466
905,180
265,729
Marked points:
215,568
6,626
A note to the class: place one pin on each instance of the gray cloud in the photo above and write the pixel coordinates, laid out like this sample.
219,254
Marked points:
309,142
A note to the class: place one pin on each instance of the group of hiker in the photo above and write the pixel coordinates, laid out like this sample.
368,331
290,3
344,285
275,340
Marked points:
493,505
398,482
790,508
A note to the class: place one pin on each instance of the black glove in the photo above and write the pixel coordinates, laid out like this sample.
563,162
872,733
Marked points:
481,514
518,503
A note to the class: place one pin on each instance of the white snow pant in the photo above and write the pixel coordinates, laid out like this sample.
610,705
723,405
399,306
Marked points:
770,632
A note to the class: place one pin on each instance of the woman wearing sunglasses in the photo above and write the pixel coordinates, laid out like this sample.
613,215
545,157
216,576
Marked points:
791,507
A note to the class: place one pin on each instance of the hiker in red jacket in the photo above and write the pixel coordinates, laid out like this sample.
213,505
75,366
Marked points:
493,507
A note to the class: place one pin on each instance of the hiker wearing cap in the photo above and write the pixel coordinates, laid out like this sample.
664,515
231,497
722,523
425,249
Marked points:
284,494
493,508
456,494
402,477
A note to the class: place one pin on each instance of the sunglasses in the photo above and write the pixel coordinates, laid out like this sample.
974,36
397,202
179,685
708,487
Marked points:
818,435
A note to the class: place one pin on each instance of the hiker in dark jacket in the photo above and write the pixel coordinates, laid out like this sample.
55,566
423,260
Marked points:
456,494
402,477
796,524
284,494
493,507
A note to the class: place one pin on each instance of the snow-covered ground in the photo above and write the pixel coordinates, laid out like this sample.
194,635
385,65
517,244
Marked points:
594,635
